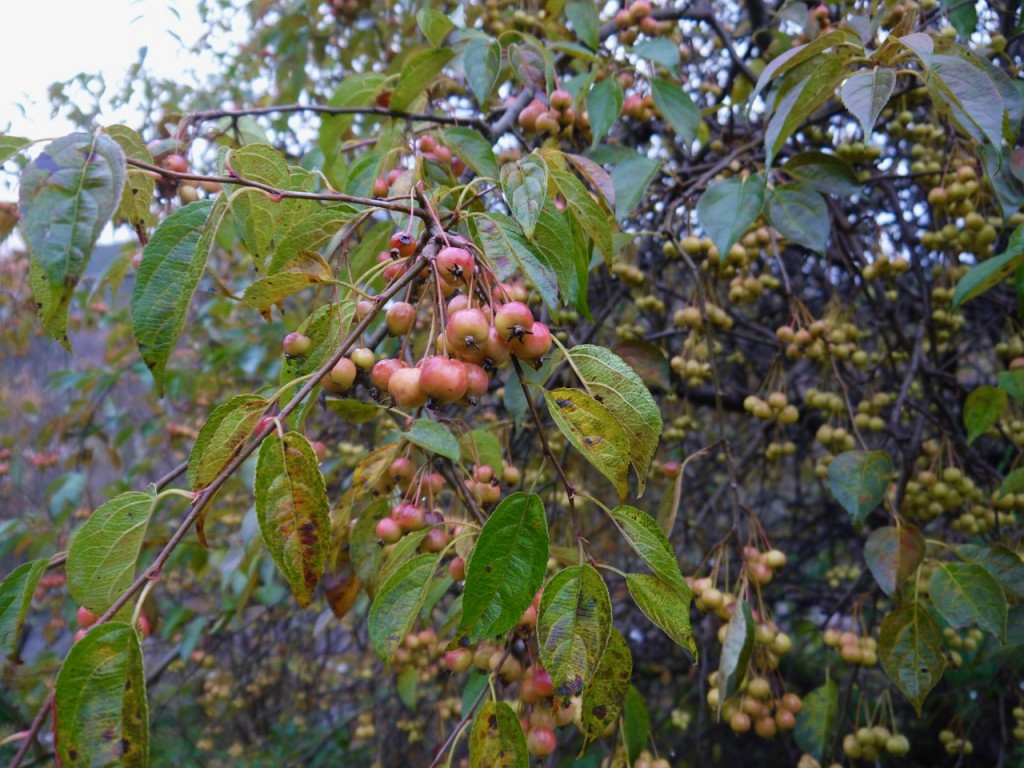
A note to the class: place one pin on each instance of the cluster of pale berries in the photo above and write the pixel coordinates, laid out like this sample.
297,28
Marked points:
477,340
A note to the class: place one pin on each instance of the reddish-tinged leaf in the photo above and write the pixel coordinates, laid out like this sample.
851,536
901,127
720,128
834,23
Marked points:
893,554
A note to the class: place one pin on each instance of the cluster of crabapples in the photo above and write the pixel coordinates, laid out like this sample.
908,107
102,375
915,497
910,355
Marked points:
556,117
757,704
415,512
637,19
869,742
484,326
87,618
429,151
775,407
853,648
757,707
539,713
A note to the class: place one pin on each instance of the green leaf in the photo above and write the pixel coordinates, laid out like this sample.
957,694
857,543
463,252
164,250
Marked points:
801,53
582,14
307,269
666,605
1012,382
727,209
858,480
353,411
525,185
992,271
636,726
531,64
103,553
308,234
969,95
910,648
475,151
481,446
1012,483
1001,562
604,104
292,510
364,546
801,215
258,216
963,16
922,45
677,107
406,684
816,719
418,72
16,592
481,61
507,568
435,25
433,438
736,650
508,250
596,176
580,250
573,625
358,89
801,92
588,211
553,238
594,432
139,186
865,95
400,554
10,146
647,539
605,695
828,174
965,594
67,195
631,179
172,263
983,409
398,603
893,554
221,437
497,739
100,713
660,50
648,360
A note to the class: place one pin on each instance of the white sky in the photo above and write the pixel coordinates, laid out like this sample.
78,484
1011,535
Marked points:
54,40
49,41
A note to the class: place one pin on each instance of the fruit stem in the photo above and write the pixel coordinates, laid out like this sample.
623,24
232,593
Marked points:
570,490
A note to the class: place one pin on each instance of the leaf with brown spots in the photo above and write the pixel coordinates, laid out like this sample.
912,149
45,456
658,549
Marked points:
604,696
221,437
497,740
292,509
594,431
100,713
573,625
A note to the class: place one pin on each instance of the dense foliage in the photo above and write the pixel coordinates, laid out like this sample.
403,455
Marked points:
633,385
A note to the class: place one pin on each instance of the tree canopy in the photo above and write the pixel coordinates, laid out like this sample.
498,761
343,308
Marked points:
479,384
